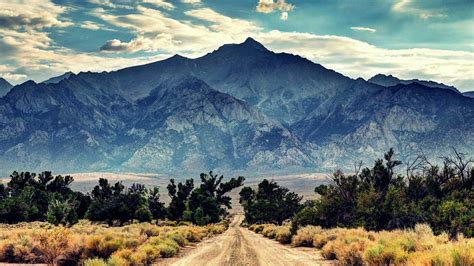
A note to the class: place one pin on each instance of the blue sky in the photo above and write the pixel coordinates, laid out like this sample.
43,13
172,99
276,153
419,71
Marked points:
426,39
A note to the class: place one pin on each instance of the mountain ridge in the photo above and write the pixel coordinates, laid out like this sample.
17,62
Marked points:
388,81
238,108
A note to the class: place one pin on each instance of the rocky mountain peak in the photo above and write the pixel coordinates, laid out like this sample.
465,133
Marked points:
5,87
59,78
253,44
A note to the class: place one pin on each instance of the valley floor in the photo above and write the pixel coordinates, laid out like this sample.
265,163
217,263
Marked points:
240,246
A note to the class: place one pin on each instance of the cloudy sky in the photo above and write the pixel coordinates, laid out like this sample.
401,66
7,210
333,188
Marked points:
426,39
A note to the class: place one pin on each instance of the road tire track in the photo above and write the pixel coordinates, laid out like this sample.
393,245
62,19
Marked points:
240,247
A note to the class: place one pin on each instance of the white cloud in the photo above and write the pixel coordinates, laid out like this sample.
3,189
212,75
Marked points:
34,53
90,25
409,7
194,2
363,29
157,32
356,58
30,15
161,3
269,6
13,78
115,4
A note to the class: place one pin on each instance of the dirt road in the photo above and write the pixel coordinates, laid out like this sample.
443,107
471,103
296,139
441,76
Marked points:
238,247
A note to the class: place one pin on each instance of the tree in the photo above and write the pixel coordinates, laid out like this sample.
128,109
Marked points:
27,197
179,196
378,199
269,204
137,202
61,211
208,201
157,208
111,203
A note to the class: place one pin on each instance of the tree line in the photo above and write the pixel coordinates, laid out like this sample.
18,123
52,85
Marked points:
377,198
29,197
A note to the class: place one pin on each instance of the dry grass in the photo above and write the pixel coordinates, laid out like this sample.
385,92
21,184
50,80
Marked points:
360,247
93,244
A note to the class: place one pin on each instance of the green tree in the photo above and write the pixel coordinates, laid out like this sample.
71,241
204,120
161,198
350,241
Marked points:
378,199
157,208
209,199
269,204
179,195
27,196
61,211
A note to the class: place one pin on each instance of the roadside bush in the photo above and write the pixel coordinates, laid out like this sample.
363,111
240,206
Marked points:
150,253
135,244
305,235
269,231
95,262
115,260
283,234
418,246
178,237
52,243
168,248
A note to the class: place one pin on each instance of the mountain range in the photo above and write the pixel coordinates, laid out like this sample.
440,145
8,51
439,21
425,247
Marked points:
239,108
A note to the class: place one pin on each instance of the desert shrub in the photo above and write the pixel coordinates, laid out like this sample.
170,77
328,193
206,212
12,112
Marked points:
304,236
125,254
151,253
168,248
149,230
283,235
115,260
167,223
52,243
218,228
386,253
258,228
178,237
95,262
319,240
356,246
348,246
195,234
269,230
458,252
102,245
135,244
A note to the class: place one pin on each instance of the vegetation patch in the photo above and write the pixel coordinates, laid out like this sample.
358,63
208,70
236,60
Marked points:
376,217
95,244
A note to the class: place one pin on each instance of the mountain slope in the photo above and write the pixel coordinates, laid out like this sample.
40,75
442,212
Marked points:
5,87
185,125
410,118
210,129
469,94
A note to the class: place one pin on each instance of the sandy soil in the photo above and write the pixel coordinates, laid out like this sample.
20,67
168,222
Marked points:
239,246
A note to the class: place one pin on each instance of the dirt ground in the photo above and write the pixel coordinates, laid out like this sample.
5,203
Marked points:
239,246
